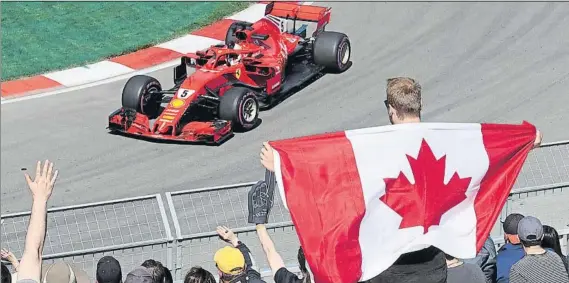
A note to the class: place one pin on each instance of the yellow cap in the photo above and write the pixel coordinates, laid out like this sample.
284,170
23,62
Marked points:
229,260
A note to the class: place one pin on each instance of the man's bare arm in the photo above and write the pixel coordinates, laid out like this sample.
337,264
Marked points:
41,188
273,257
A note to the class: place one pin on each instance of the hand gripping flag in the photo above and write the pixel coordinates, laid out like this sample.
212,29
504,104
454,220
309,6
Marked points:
361,198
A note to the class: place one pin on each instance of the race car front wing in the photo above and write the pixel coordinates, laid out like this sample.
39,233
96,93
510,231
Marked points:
130,122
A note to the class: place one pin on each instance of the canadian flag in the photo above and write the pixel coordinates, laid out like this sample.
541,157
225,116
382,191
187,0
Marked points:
361,198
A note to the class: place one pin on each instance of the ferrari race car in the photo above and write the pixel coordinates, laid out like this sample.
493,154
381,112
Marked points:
257,64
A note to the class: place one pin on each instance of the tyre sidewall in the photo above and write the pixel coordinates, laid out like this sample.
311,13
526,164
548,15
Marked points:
247,97
328,51
232,105
343,46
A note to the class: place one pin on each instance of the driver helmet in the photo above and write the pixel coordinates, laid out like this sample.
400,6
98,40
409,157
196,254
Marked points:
235,60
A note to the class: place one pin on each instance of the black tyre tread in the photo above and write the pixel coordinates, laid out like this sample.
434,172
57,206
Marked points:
136,87
230,104
326,48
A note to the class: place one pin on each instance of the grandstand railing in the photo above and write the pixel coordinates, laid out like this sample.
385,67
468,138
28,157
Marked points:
136,229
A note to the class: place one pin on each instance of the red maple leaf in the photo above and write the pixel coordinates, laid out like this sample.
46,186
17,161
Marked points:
423,203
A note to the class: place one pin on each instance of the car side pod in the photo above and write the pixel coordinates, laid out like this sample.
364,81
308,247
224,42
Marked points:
131,123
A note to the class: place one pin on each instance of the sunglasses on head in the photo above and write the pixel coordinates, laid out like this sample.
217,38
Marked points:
386,103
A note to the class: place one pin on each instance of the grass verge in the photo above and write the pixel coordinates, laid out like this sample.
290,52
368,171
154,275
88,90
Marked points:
39,37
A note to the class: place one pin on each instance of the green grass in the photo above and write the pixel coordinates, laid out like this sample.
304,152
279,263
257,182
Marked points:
38,37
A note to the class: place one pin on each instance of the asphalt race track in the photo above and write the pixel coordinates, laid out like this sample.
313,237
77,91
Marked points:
477,62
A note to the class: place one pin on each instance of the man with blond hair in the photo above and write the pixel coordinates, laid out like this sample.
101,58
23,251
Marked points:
404,102
428,265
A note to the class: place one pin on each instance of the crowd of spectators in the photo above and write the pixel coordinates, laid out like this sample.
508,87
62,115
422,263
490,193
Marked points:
531,253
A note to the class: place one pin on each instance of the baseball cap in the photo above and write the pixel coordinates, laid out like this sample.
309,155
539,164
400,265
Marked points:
108,270
62,272
530,229
510,224
139,275
229,260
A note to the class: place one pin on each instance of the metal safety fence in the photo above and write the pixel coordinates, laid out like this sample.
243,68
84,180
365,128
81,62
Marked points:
135,229
132,230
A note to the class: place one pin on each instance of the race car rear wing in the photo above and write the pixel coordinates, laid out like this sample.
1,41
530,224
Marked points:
308,13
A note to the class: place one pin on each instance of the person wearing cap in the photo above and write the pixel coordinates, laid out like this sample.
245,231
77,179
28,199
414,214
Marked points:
140,274
108,270
538,264
512,250
234,262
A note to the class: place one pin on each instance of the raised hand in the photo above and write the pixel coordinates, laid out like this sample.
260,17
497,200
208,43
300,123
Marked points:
227,235
42,185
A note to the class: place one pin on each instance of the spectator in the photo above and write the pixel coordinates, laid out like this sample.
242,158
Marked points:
512,250
234,263
551,241
538,264
139,275
62,272
486,260
6,276
199,275
159,273
404,105
108,270
9,256
29,270
461,272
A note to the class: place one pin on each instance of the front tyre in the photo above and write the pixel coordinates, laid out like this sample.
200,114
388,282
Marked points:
240,106
332,50
142,94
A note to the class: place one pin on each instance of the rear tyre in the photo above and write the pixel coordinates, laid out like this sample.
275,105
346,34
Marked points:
332,50
230,39
140,94
240,106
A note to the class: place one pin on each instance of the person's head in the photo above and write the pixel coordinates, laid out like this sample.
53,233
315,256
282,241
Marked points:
306,278
6,275
404,102
159,273
551,239
230,263
199,275
530,232
510,227
140,274
108,270
62,272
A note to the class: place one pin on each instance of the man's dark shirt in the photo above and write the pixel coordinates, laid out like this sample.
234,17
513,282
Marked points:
252,275
423,266
285,276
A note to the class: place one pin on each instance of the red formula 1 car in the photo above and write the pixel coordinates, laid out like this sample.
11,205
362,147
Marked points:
258,64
